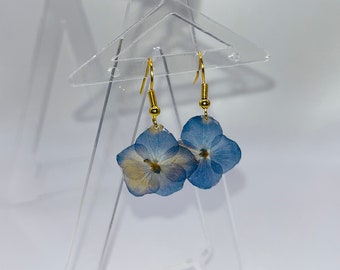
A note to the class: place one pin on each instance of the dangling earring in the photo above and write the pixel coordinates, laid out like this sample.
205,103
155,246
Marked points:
203,136
156,163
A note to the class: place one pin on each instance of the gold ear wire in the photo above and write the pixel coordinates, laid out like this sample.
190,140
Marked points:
204,103
154,109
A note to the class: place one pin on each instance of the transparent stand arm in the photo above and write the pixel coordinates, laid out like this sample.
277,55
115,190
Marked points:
59,17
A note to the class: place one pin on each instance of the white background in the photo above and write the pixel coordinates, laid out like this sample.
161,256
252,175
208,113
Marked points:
286,201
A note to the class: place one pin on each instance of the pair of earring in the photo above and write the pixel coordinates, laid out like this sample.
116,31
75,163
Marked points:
158,163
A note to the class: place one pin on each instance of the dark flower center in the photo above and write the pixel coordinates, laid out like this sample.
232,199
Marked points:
204,153
154,166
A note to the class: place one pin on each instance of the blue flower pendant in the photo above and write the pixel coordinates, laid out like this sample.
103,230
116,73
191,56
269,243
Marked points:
215,153
156,163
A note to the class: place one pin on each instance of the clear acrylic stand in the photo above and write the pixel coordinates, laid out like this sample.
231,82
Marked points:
166,26
34,156
192,229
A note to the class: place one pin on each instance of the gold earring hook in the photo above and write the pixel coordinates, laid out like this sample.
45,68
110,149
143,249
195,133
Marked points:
204,103
154,109
200,67
149,68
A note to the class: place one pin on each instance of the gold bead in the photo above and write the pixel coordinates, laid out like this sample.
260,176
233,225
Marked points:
154,111
204,103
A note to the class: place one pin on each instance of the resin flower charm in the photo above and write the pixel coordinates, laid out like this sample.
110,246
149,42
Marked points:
215,153
156,163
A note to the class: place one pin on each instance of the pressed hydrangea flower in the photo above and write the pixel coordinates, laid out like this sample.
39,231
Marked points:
156,163
215,153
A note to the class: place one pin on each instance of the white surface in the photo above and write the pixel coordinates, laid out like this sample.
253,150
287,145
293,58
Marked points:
285,190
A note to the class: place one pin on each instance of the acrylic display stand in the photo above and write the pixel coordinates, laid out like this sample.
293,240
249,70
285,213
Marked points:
191,229
36,160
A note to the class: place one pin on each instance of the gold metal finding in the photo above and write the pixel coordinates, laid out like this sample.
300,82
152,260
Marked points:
204,103
154,109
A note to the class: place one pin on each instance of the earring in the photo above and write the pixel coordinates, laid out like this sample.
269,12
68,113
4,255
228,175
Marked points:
203,136
155,163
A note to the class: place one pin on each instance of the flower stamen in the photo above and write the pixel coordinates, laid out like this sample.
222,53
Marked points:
204,153
154,166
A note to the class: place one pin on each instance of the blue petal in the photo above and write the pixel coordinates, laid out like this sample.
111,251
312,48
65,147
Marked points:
204,177
199,133
126,153
176,169
145,186
226,153
216,140
174,172
142,151
170,153
185,159
137,173
157,142
217,168
167,190
170,179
